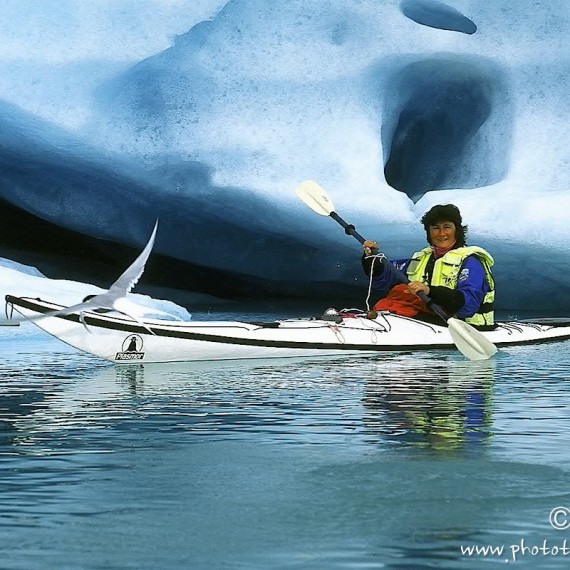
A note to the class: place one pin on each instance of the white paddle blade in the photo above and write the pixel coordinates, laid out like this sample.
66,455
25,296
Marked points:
315,197
470,342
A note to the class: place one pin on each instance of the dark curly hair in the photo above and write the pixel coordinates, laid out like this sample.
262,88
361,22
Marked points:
446,213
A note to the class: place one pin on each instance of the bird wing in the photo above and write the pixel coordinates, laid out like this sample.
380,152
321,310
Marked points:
133,273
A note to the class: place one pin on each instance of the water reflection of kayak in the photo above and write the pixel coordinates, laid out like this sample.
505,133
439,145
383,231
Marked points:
118,339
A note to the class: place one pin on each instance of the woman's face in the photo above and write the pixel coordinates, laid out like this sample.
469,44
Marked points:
442,234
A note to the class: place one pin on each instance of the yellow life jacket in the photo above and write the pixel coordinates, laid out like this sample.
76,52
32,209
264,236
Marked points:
446,273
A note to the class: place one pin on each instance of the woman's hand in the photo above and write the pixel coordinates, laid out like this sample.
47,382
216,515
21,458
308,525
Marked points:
417,286
370,245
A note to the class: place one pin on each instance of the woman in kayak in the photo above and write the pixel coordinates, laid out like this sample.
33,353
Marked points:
454,275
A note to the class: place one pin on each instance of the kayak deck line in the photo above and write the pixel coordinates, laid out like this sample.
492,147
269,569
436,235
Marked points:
170,329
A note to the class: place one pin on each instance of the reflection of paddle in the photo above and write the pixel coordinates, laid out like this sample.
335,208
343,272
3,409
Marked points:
468,340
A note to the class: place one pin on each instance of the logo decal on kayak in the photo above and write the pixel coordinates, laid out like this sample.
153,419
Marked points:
132,348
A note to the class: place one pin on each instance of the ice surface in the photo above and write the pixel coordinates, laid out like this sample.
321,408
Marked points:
210,113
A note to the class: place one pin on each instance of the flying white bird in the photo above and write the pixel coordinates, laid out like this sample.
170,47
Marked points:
114,299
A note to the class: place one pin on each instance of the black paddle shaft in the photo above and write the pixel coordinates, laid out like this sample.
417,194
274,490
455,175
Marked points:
350,230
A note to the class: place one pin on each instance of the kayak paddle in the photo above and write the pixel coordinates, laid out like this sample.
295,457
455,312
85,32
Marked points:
469,341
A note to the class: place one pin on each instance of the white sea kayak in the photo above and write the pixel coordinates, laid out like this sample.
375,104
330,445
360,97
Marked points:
121,340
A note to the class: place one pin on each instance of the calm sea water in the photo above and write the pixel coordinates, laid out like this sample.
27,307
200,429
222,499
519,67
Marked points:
397,461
